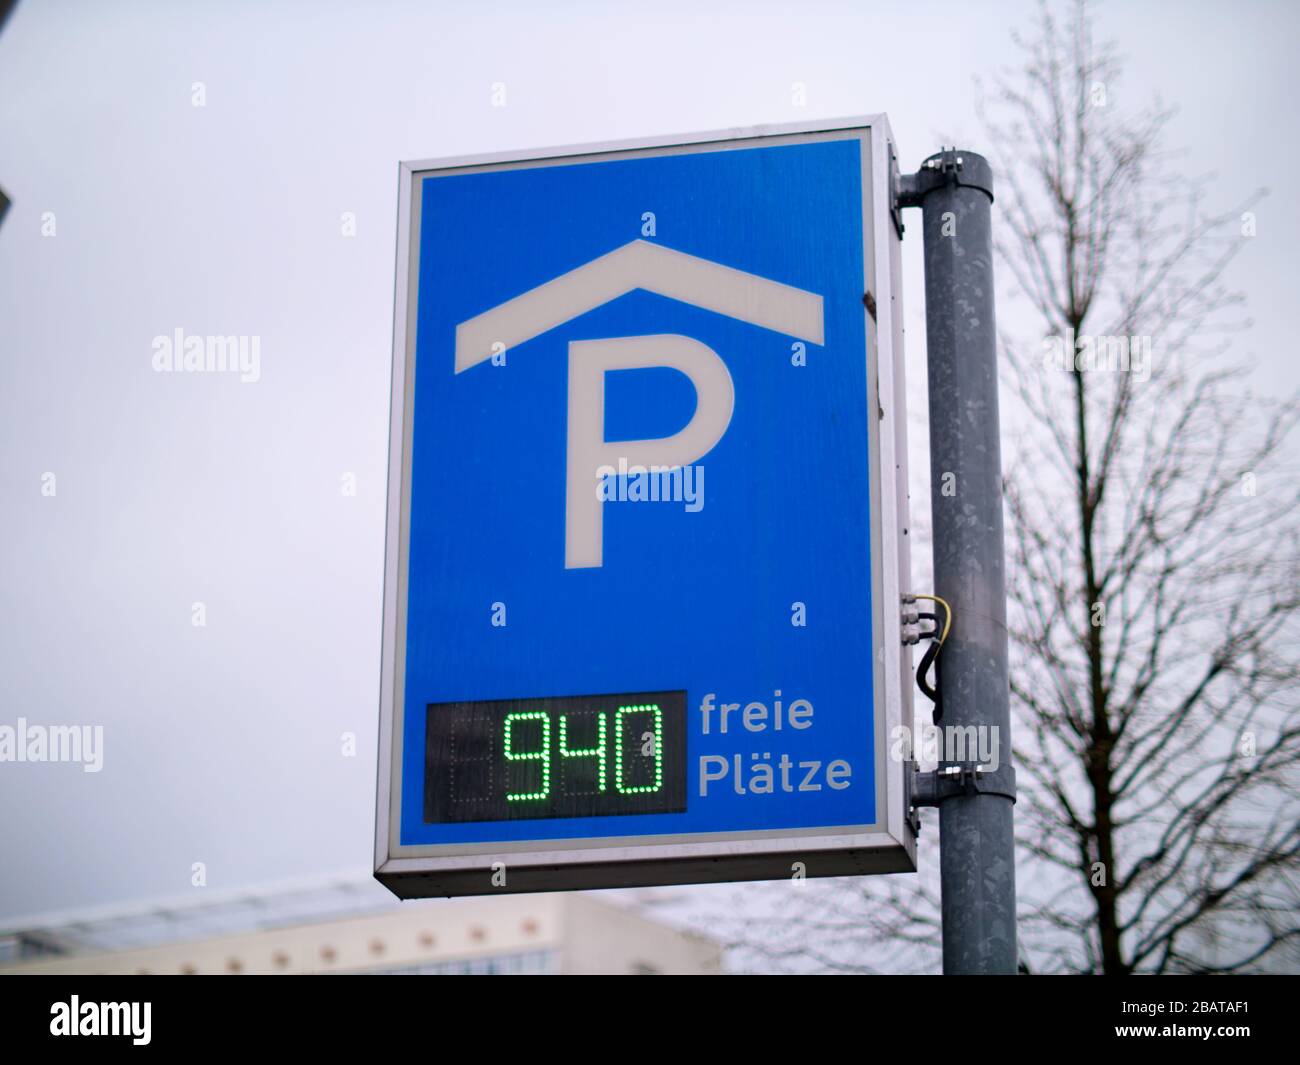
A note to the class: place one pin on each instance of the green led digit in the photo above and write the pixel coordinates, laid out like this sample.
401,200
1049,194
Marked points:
597,752
543,756
650,708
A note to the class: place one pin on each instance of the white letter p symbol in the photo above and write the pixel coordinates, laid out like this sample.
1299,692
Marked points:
589,360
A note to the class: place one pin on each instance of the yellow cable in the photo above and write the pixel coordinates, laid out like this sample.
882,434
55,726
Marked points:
947,612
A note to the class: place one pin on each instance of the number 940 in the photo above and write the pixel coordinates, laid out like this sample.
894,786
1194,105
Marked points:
606,748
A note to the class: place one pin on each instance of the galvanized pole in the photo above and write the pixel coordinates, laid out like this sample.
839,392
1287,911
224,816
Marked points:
954,190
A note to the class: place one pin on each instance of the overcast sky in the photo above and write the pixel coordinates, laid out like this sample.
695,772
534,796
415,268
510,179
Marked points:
222,742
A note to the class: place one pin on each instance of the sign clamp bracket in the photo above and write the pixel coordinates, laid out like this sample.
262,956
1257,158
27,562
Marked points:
957,779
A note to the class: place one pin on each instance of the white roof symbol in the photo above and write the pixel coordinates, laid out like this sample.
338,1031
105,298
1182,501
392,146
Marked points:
640,264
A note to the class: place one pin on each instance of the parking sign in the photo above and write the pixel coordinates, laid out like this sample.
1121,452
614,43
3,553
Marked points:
647,517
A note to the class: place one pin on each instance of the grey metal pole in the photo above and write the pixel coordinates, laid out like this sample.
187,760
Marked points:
954,190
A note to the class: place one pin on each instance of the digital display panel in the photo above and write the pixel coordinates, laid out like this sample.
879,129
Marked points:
581,756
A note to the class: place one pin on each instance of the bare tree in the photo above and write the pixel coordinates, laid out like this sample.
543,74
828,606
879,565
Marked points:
1153,550
1153,566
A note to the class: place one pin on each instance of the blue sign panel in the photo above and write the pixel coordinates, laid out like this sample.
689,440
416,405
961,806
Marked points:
638,549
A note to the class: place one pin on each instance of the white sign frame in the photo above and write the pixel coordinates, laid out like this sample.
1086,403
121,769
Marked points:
415,871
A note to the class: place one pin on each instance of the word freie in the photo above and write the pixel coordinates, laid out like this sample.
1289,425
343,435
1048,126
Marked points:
755,717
